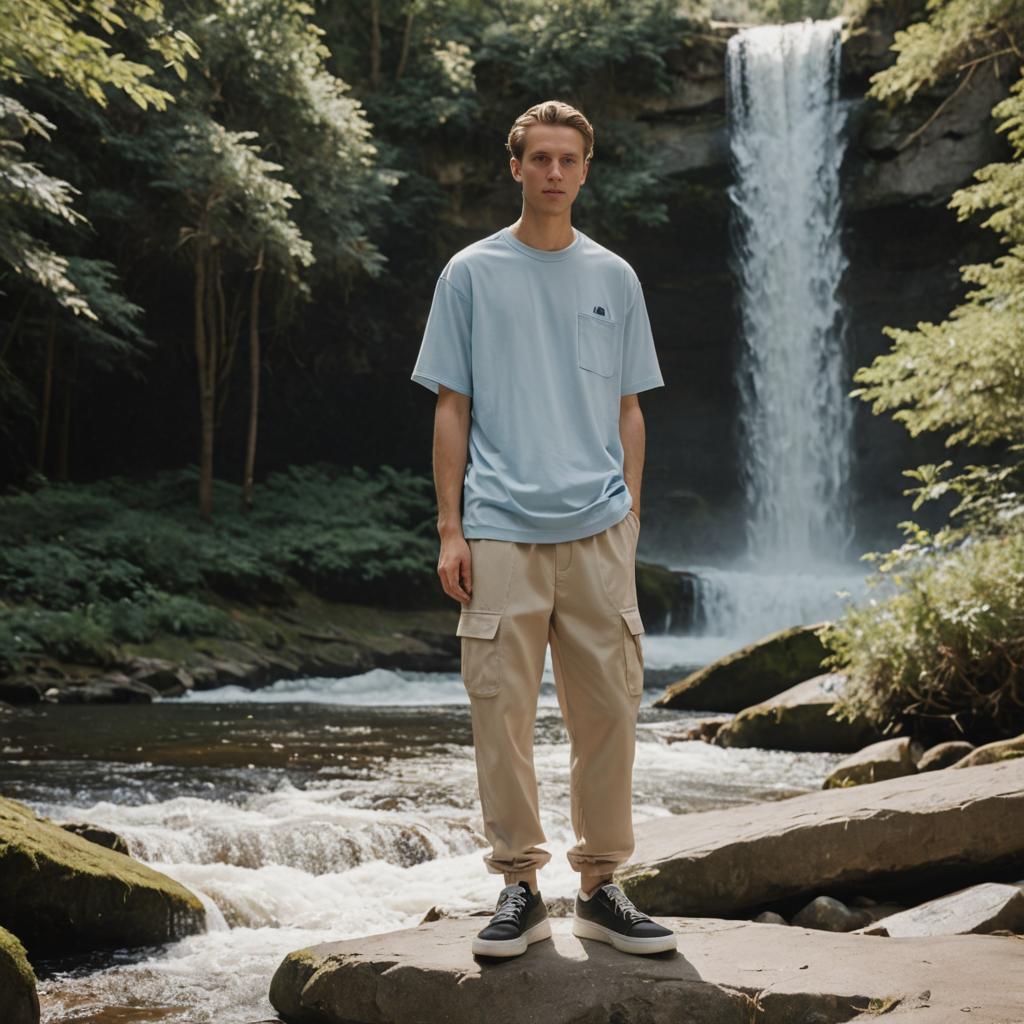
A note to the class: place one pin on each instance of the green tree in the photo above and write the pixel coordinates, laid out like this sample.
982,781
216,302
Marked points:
68,304
946,645
962,377
296,219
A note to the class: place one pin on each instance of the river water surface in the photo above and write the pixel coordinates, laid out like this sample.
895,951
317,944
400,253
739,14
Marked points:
319,810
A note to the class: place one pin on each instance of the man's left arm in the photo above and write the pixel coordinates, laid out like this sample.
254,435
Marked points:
633,435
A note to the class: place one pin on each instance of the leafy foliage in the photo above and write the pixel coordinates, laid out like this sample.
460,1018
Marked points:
949,641
87,567
943,654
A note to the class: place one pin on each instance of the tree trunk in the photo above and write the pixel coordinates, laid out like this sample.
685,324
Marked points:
374,44
406,40
68,379
44,412
248,484
205,340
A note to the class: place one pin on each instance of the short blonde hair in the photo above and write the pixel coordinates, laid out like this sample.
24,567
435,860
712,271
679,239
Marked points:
550,112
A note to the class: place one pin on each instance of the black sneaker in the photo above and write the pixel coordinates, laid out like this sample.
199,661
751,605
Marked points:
521,917
609,916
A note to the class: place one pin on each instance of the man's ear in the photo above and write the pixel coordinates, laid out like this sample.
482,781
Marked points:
512,166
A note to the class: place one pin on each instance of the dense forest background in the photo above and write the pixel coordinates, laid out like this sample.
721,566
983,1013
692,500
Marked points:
263,193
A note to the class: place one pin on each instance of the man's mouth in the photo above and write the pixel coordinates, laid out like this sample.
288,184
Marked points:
555,191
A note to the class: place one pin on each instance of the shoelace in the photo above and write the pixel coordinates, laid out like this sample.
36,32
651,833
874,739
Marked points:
624,905
512,906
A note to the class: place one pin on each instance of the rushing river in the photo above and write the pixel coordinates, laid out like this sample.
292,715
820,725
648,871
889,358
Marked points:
319,810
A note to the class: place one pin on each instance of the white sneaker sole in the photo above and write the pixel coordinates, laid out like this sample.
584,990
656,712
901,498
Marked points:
653,944
513,947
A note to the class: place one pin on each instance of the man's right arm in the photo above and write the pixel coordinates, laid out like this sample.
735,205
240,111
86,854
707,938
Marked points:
451,451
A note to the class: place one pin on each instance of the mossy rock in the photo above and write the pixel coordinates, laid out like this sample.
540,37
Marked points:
751,674
1000,750
61,893
18,998
800,718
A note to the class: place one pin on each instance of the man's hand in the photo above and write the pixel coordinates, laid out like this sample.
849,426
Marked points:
455,567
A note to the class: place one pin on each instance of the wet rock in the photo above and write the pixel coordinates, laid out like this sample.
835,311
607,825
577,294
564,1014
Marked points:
875,911
983,908
110,688
706,729
102,836
1000,750
799,719
724,971
62,893
770,917
924,827
830,915
23,690
18,999
886,759
113,688
168,679
942,755
751,674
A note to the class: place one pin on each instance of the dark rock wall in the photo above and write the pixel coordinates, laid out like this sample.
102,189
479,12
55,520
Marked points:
904,248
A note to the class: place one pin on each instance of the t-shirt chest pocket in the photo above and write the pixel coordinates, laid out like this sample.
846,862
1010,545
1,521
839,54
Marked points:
599,341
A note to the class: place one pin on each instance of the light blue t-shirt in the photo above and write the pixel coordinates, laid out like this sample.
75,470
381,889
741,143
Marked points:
545,343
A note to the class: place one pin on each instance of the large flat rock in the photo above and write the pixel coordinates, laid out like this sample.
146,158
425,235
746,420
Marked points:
950,824
725,972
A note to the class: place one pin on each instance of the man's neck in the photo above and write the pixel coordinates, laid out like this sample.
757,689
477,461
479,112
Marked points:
546,234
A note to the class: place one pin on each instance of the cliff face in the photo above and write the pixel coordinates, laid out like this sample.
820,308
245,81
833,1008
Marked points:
904,249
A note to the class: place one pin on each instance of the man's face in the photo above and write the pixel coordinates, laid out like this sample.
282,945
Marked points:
552,168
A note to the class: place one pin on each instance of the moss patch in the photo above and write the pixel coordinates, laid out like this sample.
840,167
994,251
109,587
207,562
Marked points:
60,892
20,1002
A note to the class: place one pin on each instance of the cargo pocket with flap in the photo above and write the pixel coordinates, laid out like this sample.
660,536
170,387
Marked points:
633,627
481,652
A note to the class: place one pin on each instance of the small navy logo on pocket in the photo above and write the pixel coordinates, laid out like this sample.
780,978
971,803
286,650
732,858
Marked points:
599,310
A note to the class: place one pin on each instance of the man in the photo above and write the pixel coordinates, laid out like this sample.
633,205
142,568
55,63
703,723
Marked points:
536,345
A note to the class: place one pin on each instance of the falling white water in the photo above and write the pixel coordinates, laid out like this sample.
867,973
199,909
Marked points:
786,130
787,140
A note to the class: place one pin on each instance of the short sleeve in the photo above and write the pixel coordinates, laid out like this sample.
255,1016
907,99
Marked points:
445,355
640,369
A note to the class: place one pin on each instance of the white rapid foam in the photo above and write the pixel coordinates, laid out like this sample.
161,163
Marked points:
290,867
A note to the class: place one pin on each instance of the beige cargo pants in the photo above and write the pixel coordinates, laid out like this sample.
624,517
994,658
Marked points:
580,596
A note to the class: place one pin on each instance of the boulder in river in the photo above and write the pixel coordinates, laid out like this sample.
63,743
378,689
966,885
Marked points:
62,893
920,831
1000,750
730,972
886,759
828,914
18,999
942,755
167,678
987,907
111,688
95,834
799,718
751,674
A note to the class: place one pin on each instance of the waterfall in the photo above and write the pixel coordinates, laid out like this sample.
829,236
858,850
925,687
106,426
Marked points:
787,140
